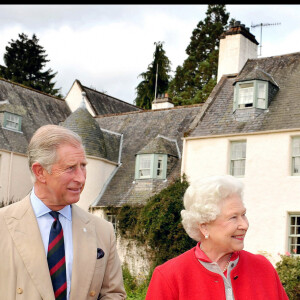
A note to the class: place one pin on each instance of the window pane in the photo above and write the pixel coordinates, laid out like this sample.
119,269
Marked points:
246,93
238,167
238,150
12,121
238,158
145,166
296,146
294,236
296,155
261,95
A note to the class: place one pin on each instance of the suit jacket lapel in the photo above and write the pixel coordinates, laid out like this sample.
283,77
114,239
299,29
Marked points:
84,254
25,232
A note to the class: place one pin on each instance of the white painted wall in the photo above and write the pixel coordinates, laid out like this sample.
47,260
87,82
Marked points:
74,99
234,51
98,171
270,190
15,177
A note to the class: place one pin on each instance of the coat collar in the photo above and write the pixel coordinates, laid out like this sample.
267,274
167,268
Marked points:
23,227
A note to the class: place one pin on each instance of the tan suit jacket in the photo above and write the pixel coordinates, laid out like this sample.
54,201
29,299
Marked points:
24,273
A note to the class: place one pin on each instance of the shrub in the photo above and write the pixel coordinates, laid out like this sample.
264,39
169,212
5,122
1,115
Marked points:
134,290
288,269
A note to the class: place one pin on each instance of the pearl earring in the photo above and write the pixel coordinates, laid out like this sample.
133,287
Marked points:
206,236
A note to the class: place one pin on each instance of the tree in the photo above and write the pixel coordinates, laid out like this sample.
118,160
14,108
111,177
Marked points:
25,59
146,88
195,79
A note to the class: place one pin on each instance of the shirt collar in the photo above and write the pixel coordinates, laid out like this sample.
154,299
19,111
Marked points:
40,209
203,257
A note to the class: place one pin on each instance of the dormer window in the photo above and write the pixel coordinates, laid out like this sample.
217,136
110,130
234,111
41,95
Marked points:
251,94
151,166
12,121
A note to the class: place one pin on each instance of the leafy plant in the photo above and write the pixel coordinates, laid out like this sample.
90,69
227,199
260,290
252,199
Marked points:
288,269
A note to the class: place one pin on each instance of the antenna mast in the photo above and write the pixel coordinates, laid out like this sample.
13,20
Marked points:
261,26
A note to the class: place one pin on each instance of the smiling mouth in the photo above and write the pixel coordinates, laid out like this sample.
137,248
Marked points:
239,237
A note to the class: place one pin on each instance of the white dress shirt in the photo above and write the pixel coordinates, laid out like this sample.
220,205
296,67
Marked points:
45,221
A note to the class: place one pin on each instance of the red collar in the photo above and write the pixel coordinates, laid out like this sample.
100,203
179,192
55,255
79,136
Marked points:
203,257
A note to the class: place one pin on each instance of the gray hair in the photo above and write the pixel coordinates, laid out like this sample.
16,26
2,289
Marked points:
202,199
44,143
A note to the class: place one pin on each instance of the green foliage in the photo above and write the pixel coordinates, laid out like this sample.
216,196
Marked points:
194,81
158,223
25,59
146,88
127,219
134,290
288,270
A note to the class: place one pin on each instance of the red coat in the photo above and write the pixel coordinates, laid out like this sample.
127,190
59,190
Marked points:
184,278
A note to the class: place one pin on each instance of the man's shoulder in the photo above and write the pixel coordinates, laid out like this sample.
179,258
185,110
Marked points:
16,208
89,216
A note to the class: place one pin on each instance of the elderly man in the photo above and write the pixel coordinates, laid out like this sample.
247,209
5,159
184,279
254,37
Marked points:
50,248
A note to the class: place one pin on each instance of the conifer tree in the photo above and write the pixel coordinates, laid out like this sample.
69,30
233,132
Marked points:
25,60
195,79
146,88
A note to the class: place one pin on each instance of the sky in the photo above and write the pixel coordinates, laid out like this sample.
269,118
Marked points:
106,47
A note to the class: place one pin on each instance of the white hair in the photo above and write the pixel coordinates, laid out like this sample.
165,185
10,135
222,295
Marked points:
45,142
202,199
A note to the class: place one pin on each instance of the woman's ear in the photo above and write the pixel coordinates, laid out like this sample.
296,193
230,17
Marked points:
203,229
39,172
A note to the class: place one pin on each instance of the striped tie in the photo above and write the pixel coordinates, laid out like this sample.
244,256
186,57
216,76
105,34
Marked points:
56,258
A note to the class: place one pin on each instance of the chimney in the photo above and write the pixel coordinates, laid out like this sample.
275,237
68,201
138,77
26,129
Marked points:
237,45
162,101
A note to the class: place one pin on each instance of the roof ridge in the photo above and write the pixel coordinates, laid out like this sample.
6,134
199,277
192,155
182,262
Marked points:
94,90
151,110
30,88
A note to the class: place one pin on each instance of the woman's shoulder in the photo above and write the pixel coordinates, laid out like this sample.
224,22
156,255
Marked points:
178,262
252,258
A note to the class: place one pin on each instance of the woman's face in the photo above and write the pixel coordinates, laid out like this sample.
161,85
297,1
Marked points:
228,230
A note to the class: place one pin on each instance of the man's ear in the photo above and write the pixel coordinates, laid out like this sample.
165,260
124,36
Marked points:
39,172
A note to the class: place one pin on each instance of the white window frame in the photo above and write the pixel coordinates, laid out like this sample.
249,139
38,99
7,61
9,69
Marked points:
145,171
112,219
238,158
294,234
12,121
157,166
296,155
252,93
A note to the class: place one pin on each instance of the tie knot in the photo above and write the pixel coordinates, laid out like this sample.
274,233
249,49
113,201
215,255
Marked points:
54,214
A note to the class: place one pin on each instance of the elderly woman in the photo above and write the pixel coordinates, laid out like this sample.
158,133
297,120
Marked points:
217,268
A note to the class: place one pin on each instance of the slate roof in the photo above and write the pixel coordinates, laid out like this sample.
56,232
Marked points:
35,108
95,141
140,130
103,104
160,145
283,111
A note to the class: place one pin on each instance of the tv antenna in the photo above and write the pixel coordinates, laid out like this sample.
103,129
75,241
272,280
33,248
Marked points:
261,26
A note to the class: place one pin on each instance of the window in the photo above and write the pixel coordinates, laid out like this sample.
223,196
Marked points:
245,98
112,218
159,170
12,121
296,156
238,158
294,234
151,166
145,166
251,94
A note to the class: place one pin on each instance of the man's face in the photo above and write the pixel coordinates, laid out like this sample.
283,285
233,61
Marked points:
66,180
